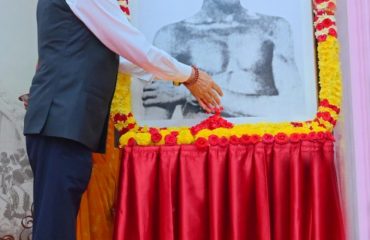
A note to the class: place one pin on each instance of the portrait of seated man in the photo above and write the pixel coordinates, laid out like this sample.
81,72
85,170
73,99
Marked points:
250,56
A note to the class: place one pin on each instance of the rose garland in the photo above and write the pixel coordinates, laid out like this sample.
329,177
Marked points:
124,7
217,131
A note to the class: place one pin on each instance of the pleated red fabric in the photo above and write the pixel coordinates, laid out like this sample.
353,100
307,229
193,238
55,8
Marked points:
262,191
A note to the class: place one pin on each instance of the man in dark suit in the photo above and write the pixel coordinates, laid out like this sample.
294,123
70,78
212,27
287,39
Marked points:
79,43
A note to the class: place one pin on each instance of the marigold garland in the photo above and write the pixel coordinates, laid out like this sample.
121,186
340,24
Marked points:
217,131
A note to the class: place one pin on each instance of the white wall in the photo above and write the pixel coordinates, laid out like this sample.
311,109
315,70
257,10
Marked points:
18,58
353,131
18,54
344,145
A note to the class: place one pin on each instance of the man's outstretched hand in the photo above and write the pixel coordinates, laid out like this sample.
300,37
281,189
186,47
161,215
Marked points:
207,92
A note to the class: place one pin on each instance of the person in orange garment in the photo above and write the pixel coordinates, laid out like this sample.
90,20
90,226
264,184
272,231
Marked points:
95,220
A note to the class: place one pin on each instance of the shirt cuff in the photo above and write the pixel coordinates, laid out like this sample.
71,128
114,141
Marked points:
184,72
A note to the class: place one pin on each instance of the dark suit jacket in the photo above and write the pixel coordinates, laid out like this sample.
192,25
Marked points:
72,89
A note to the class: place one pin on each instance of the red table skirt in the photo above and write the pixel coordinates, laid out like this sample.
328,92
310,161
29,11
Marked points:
262,191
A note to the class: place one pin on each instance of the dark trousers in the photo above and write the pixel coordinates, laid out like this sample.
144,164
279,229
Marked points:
62,170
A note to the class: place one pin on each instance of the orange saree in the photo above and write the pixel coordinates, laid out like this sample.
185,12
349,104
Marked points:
95,219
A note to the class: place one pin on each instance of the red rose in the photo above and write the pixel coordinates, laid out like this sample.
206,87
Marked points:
332,6
335,109
116,118
124,130
130,115
320,136
170,140
324,103
255,138
120,117
281,138
226,124
224,142
213,125
194,130
131,142
201,143
234,140
267,138
319,26
327,22
295,137
245,139
131,126
218,111
321,38
326,116
156,137
329,136
153,130
229,125
312,136
333,32
213,140
175,133
304,136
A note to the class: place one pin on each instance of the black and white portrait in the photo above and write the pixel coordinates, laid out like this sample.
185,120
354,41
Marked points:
250,54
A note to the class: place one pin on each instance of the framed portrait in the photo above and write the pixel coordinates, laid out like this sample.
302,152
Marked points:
261,53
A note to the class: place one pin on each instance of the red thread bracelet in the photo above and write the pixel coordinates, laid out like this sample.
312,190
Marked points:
193,80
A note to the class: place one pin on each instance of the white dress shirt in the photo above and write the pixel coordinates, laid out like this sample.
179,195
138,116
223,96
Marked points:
126,66
107,22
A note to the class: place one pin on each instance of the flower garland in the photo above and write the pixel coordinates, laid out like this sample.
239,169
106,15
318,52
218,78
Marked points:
217,131
124,7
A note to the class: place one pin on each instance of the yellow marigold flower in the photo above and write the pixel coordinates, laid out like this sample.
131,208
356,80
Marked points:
223,132
126,137
143,139
185,137
204,133
120,125
131,120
